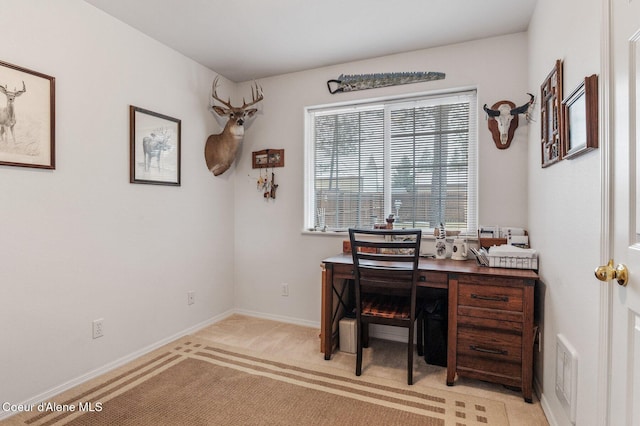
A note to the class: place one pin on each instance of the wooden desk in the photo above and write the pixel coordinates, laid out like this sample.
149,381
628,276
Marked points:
491,330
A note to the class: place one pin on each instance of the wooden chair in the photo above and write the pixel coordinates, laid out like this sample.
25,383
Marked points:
386,272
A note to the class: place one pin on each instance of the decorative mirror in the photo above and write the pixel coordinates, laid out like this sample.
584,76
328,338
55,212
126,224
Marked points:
580,118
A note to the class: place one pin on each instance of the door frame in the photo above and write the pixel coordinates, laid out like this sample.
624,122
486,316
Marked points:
606,215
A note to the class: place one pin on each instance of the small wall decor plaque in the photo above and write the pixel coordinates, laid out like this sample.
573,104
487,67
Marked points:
268,158
265,159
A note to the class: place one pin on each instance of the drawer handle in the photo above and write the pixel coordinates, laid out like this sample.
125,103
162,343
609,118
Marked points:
423,278
488,351
491,298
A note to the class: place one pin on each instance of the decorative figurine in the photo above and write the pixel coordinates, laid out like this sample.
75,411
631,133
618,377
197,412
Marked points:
441,245
390,221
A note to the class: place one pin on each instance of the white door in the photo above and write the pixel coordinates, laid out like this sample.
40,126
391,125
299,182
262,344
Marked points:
623,117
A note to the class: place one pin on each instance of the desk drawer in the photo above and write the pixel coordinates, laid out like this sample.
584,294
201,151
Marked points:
508,373
492,345
490,296
479,318
491,318
433,279
343,271
425,278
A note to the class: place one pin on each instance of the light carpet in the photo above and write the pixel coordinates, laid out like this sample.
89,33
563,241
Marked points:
197,382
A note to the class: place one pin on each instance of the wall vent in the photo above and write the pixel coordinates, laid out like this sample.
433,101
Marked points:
566,376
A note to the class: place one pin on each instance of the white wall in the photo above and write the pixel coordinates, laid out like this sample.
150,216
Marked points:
270,246
564,206
81,242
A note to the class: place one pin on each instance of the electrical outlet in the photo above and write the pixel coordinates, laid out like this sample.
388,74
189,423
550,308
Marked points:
98,330
284,289
191,297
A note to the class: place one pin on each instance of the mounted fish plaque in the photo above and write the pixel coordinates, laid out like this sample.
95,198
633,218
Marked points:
353,82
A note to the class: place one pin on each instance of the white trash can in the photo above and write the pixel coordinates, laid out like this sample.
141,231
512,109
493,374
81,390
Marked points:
347,330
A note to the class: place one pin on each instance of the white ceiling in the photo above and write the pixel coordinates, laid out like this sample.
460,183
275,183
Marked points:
252,39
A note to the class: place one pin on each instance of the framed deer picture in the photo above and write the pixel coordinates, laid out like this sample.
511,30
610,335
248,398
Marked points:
155,148
27,118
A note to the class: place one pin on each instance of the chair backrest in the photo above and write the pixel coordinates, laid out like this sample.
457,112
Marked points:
386,260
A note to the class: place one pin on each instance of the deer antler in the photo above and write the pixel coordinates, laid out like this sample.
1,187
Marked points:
256,96
214,94
24,89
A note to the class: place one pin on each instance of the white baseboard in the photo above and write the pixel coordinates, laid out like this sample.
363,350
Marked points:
289,320
544,403
395,334
115,364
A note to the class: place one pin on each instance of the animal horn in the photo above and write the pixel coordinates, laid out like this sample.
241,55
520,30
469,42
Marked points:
256,96
491,112
214,94
523,108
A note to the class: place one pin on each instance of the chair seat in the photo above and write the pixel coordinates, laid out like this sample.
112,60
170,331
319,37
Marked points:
383,306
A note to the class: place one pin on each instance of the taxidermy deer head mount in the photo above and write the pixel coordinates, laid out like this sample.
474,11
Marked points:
220,150
503,120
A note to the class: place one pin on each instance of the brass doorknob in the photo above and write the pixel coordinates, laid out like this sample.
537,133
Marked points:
607,272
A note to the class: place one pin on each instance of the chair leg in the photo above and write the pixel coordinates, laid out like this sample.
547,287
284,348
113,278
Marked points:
359,330
410,357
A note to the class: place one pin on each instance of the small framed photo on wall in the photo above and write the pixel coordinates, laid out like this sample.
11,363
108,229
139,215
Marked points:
268,158
27,118
580,118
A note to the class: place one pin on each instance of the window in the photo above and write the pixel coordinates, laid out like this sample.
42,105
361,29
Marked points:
414,158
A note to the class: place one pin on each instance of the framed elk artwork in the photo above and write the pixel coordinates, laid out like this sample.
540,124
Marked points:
27,118
551,116
155,147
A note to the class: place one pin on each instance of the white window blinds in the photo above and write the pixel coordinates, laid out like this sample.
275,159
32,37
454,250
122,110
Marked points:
415,158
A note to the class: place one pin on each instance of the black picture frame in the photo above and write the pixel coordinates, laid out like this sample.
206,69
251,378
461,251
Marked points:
155,147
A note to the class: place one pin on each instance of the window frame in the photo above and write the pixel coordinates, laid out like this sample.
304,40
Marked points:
387,104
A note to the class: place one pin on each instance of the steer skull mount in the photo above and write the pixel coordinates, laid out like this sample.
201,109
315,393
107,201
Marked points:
503,120
220,150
